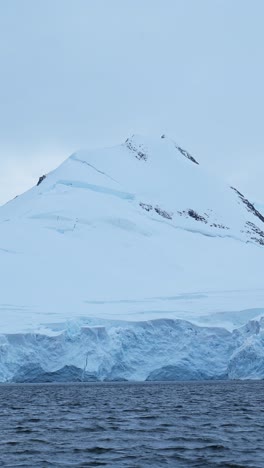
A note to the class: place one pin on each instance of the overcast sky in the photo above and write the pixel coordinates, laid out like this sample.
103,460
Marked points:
89,73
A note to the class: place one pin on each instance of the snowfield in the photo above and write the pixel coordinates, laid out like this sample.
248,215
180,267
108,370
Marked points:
131,262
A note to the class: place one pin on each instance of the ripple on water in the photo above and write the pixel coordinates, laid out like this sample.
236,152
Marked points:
217,424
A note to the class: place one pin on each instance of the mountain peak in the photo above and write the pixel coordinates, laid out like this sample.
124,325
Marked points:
141,145
111,231
154,175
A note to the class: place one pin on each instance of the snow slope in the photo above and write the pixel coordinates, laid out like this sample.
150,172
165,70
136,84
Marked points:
121,238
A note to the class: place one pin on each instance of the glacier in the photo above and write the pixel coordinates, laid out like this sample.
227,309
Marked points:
161,349
131,263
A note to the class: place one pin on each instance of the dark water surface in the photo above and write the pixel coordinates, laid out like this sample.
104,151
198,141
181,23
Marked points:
133,425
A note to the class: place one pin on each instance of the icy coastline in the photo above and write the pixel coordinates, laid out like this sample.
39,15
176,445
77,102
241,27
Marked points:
131,263
159,349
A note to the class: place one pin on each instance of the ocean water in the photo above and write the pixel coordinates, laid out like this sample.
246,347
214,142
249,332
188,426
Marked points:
188,424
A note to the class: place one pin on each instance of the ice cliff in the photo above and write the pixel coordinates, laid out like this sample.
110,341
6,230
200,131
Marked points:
131,262
160,349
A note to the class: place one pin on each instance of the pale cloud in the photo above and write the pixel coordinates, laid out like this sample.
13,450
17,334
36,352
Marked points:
88,73
20,171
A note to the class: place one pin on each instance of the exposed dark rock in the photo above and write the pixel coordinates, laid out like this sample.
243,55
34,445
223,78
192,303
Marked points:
163,213
193,214
146,207
203,218
256,230
256,234
250,207
138,152
43,177
187,155
219,226
189,213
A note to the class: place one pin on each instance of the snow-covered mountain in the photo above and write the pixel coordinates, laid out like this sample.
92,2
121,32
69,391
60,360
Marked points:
131,262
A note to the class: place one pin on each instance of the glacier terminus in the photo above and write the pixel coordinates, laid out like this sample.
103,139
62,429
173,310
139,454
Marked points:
131,263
